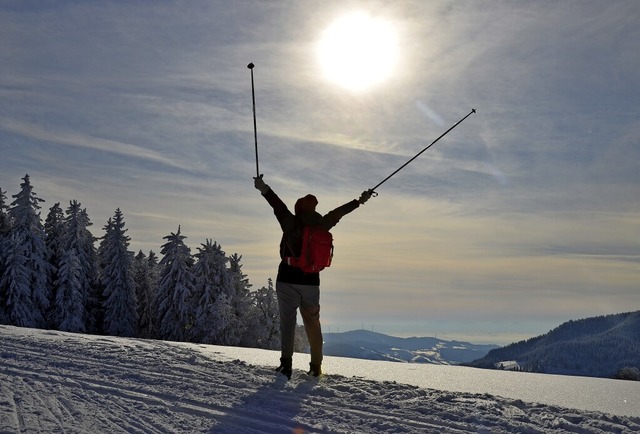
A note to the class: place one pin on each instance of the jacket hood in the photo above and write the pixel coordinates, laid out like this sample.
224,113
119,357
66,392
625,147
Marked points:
306,204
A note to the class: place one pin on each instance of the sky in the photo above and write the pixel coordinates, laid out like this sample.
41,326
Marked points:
524,216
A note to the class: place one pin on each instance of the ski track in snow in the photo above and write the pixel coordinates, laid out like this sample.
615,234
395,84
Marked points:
54,382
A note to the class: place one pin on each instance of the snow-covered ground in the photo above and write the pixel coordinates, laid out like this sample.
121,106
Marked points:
54,382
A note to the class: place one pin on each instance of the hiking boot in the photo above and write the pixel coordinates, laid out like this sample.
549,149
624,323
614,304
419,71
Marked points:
315,370
285,367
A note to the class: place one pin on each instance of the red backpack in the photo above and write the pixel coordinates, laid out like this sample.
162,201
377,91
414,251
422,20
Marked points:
316,252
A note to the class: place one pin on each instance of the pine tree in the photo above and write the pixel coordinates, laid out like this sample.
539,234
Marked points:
224,329
265,319
91,272
77,300
5,227
95,302
120,304
174,297
214,322
241,299
300,340
29,232
5,220
54,230
15,290
69,313
146,280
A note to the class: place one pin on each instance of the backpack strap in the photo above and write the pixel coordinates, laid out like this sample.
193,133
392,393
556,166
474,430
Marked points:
292,261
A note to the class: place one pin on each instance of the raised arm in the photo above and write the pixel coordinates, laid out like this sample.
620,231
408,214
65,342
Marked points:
332,218
280,210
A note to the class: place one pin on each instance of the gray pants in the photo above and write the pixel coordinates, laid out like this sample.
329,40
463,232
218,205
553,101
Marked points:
307,299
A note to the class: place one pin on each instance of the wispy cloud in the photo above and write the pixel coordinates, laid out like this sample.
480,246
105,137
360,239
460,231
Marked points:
75,139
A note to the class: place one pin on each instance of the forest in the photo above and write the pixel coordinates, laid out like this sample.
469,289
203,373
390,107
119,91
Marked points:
57,275
602,346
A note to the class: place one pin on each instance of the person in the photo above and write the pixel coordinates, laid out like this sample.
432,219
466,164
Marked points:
296,289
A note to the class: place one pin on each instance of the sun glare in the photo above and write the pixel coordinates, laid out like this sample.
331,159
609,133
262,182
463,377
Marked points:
358,51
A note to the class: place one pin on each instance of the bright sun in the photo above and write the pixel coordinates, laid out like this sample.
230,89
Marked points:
358,51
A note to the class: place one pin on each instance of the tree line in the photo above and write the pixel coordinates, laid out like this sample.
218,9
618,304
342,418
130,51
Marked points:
56,275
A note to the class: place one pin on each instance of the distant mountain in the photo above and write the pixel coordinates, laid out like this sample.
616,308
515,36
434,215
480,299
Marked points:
363,344
602,346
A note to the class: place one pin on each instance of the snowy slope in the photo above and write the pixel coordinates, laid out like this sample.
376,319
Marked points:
52,382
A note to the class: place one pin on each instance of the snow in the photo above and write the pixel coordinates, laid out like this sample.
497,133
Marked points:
53,382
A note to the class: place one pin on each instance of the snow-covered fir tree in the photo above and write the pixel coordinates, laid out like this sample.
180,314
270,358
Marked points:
120,304
265,319
224,329
214,318
27,239
77,303
241,299
5,222
54,230
97,303
15,292
91,270
146,280
300,340
69,313
175,292
5,226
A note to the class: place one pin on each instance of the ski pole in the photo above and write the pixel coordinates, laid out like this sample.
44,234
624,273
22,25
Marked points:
372,190
255,129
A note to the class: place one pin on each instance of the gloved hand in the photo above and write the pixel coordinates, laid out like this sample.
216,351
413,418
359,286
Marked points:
365,196
258,182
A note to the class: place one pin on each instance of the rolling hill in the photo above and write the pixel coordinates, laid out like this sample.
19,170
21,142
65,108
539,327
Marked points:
601,346
364,344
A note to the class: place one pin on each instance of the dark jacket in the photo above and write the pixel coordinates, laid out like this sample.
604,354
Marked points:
291,243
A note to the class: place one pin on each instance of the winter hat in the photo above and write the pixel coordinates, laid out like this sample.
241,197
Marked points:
306,204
